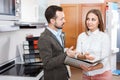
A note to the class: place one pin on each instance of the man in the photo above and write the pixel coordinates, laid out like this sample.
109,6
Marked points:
51,46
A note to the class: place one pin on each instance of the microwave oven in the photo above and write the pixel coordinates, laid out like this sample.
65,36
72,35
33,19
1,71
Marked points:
9,10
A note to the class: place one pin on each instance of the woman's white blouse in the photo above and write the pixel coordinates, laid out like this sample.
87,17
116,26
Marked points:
96,43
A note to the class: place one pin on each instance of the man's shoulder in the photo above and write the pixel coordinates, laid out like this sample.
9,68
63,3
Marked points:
45,35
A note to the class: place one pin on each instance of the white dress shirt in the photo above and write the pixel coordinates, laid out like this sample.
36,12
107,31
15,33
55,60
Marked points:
97,43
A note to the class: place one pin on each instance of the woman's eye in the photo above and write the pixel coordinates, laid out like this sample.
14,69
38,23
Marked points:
93,19
87,19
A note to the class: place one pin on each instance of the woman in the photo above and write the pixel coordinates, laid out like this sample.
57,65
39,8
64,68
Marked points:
94,44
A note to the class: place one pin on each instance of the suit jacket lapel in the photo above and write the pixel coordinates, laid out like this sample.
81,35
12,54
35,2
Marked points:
53,36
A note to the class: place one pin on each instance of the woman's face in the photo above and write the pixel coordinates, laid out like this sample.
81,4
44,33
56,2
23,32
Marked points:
92,22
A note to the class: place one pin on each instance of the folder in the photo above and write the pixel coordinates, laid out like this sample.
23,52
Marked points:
77,62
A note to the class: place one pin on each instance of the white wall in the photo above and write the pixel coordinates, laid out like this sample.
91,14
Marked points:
80,1
54,2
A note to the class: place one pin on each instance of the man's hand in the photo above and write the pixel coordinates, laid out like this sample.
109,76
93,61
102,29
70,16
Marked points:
70,52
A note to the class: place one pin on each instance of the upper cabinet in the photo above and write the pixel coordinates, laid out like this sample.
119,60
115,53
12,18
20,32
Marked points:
29,10
33,10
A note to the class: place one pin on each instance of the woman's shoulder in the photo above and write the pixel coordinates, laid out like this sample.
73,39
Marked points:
82,34
104,34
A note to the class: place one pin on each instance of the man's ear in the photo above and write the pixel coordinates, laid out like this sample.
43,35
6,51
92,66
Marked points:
52,21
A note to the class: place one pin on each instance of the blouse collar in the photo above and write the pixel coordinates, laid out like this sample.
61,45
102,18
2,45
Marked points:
94,32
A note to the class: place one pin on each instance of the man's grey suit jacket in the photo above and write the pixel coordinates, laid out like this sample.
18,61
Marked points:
53,56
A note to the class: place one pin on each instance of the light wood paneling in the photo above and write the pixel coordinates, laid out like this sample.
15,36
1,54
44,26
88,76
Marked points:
71,25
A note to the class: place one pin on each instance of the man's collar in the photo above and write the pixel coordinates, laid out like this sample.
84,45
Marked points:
57,33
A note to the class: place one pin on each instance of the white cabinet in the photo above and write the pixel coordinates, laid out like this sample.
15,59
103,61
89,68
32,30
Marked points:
33,10
29,10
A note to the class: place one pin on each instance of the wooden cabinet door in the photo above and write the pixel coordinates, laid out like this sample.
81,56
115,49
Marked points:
71,25
86,7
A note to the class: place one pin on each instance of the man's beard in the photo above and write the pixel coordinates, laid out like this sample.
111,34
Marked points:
58,26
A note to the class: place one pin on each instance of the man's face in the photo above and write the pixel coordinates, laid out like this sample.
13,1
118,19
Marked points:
59,21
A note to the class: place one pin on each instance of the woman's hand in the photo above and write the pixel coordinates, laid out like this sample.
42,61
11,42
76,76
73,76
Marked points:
85,68
88,56
90,68
85,56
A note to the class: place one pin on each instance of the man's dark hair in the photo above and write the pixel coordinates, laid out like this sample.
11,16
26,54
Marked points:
51,12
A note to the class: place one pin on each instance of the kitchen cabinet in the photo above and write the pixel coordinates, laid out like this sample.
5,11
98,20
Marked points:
29,11
75,16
